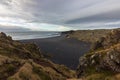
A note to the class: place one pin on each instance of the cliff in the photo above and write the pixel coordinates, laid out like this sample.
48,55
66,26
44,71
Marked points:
87,35
103,61
23,61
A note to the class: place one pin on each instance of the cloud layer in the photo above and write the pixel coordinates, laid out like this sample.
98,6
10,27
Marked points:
60,14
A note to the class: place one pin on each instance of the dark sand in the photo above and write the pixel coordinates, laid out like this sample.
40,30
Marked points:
64,51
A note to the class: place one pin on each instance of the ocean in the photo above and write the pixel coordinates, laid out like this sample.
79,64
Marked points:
32,34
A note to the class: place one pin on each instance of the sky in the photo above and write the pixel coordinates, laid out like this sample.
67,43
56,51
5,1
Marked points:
59,15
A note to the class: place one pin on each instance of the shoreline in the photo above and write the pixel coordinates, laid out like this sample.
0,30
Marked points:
66,51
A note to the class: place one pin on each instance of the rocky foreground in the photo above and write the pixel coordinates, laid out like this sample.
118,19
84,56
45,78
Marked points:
25,61
20,61
103,61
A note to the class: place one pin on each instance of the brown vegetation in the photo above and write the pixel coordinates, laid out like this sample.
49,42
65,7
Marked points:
87,35
20,61
103,61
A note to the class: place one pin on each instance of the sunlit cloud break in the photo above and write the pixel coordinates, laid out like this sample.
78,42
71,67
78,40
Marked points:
14,22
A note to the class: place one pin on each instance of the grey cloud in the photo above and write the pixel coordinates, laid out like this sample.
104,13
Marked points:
103,17
63,12
12,28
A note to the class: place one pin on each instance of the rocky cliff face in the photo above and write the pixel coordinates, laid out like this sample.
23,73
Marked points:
19,61
103,61
87,35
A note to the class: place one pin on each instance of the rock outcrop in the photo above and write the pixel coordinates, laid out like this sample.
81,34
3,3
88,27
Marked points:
103,61
23,61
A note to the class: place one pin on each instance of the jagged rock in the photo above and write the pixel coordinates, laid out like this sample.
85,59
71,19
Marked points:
112,38
104,58
108,40
4,36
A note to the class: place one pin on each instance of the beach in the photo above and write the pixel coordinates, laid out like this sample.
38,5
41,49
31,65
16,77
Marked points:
66,51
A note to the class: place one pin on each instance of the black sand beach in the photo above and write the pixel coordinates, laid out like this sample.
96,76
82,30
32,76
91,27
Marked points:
63,50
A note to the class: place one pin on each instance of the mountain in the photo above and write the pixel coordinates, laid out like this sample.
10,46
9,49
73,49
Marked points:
103,61
24,61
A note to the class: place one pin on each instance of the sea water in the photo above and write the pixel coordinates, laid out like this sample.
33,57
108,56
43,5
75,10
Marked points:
32,34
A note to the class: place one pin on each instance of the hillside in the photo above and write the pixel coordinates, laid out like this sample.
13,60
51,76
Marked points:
103,61
22,61
87,35
25,61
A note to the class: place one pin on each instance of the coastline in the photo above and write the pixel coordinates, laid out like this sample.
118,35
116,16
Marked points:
66,51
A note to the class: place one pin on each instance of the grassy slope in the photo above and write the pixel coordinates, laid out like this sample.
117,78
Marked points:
88,35
20,61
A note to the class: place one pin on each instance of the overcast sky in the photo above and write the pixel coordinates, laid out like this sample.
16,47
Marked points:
58,15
